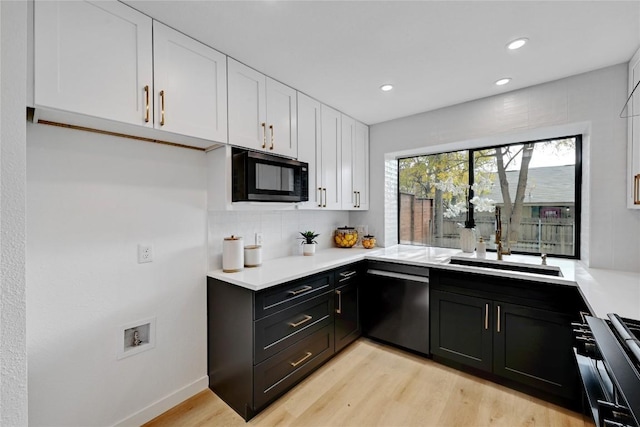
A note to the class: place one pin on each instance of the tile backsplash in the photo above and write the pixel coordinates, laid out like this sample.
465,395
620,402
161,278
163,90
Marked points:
280,230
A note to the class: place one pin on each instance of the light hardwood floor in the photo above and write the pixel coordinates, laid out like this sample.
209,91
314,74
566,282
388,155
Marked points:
369,384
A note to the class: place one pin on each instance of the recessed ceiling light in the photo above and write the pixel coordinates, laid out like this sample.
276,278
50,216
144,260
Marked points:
504,81
517,43
386,88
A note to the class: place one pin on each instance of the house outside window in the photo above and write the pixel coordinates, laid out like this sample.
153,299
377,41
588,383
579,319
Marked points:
535,186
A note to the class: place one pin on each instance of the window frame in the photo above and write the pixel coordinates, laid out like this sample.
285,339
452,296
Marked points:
471,156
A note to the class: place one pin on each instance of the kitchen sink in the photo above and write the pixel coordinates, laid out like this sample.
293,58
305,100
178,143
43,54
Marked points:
548,270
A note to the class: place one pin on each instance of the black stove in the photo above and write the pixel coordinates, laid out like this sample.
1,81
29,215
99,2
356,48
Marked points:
608,356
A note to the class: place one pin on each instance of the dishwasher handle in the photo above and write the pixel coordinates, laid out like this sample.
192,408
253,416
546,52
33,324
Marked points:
401,276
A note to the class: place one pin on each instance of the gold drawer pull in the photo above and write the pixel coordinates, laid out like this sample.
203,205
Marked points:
320,191
339,309
636,190
498,318
306,356
146,95
162,108
272,137
302,322
486,316
324,205
264,134
301,290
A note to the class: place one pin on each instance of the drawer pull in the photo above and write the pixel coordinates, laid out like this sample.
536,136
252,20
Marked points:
302,322
636,190
486,316
272,137
498,318
264,134
301,290
162,108
306,356
146,110
339,309
347,274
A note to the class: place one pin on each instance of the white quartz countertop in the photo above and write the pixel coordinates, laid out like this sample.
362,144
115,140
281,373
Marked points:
606,291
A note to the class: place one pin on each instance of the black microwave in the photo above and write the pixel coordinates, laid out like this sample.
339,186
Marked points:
261,177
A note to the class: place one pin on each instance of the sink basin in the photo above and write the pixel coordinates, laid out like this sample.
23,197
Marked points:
548,270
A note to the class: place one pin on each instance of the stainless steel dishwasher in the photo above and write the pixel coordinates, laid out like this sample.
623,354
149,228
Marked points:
395,305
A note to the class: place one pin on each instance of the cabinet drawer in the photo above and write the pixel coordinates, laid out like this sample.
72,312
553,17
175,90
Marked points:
276,299
279,373
278,331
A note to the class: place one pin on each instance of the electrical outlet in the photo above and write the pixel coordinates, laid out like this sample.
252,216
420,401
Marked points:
259,239
145,253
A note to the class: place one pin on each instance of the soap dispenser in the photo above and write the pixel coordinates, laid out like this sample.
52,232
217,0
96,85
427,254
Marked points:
481,248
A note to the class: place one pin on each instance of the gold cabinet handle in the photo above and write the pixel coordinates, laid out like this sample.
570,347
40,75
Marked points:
498,319
272,137
355,199
325,198
162,108
301,290
264,134
302,322
339,309
320,196
636,190
486,316
358,199
146,104
306,356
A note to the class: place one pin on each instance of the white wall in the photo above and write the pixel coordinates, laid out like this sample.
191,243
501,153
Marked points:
13,349
90,200
588,103
280,230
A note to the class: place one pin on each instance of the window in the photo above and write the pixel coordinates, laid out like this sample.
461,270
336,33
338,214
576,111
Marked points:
533,186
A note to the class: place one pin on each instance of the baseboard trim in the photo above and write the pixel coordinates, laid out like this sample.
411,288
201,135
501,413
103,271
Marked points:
164,404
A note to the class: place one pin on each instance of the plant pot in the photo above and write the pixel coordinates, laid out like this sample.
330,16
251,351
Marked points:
467,239
308,249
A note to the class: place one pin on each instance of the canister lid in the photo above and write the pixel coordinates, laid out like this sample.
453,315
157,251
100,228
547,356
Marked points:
233,237
346,228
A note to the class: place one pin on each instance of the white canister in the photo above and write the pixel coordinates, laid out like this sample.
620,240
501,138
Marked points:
232,254
481,248
253,256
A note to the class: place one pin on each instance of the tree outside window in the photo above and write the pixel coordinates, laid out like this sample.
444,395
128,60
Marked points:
535,185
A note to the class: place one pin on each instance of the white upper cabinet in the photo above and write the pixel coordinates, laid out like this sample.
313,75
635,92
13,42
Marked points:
633,165
93,58
190,82
281,118
309,140
360,165
355,164
262,112
349,197
328,158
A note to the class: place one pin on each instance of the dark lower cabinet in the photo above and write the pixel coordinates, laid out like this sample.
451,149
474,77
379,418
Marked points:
475,323
346,316
460,329
535,347
261,344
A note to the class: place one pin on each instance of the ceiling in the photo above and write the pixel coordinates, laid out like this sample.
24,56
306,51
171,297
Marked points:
435,53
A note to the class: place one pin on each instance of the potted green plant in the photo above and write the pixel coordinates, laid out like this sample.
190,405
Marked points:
309,242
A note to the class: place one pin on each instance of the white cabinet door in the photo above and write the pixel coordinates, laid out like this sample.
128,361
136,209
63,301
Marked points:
247,106
349,198
633,165
308,142
329,169
93,58
361,166
281,119
190,82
